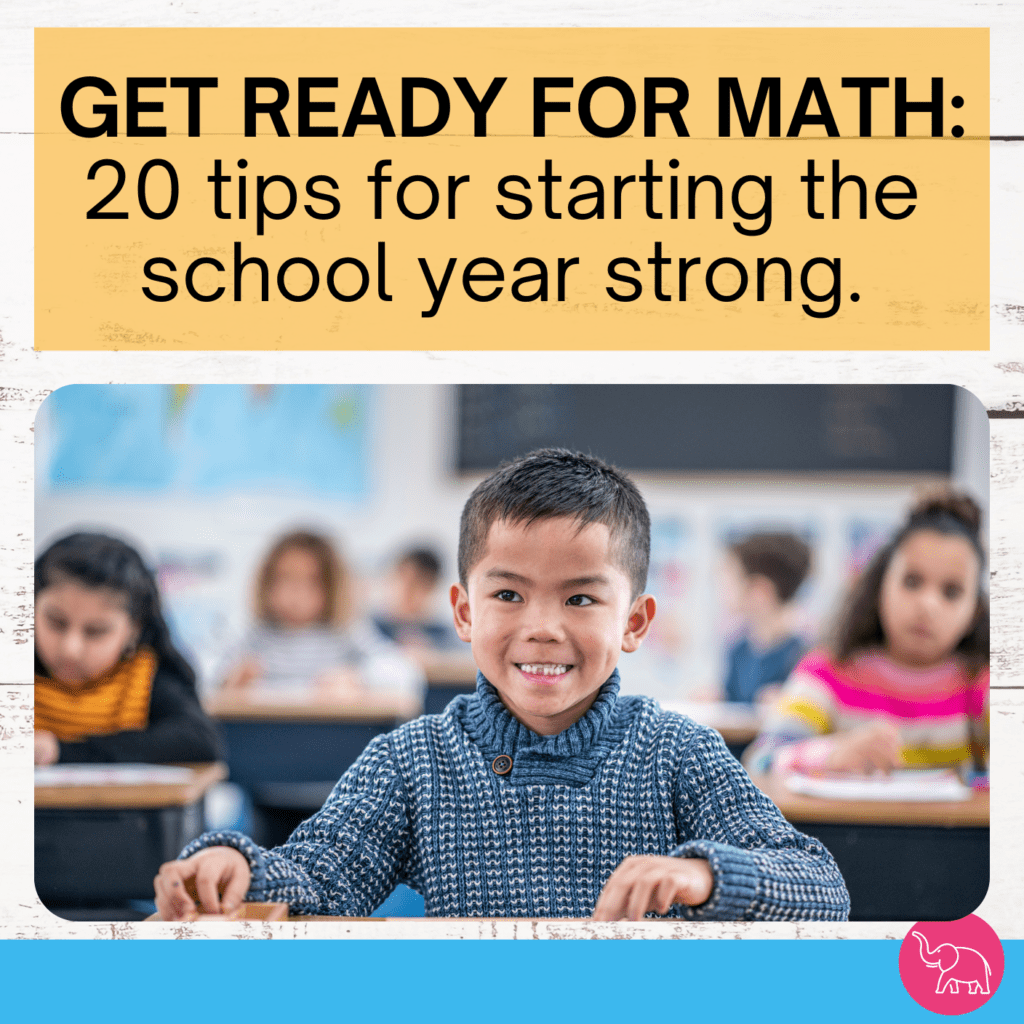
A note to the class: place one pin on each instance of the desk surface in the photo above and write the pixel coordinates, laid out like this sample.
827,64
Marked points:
134,797
449,669
267,706
738,723
797,808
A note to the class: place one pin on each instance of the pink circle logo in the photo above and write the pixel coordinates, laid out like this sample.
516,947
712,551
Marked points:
951,967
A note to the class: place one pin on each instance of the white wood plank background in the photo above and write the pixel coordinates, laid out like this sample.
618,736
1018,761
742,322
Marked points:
26,377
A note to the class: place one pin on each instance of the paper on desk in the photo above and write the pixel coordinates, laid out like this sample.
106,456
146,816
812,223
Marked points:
910,784
111,775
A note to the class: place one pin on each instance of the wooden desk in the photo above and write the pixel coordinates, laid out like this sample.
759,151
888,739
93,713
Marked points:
290,917
100,846
269,706
449,669
901,861
448,675
288,752
972,813
738,723
134,797
274,737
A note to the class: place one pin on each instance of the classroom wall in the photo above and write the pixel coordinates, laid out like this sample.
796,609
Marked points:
207,545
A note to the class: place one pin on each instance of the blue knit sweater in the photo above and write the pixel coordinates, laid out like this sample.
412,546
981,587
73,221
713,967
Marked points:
426,805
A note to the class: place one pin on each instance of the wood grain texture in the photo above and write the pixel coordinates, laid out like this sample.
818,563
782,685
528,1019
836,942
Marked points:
996,378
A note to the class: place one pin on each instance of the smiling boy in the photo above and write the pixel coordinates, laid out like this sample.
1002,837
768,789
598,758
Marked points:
547,612
544,793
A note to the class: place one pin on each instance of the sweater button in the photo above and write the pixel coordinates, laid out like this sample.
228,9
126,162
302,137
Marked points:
502,764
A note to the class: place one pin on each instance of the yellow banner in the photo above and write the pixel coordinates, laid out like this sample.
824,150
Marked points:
512,189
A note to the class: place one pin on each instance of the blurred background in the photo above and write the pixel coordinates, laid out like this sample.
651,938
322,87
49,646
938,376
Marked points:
202,478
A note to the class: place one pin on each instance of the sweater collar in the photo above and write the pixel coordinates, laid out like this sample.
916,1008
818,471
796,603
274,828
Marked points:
494,729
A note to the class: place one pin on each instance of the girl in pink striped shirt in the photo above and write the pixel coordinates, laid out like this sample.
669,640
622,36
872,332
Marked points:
903,681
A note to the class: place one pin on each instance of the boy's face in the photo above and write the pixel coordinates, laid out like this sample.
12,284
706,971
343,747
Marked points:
734,582
410,591
745,595
548,612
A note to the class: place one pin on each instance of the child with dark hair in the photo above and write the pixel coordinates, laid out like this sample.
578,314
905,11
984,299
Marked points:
903,680
408,618
545,793
426,562
305,630
763,574
109,683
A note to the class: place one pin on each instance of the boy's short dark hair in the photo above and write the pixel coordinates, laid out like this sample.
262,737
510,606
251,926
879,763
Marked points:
782,558
425,562
553,482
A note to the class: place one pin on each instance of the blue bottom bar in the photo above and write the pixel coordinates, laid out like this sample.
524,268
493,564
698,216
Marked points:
318,981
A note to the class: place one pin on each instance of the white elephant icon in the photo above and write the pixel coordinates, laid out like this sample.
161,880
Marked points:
959,965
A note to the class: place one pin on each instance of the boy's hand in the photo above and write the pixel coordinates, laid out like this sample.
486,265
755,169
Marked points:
341,683
216,878
640,885
767,697
874,747
47,747
244,674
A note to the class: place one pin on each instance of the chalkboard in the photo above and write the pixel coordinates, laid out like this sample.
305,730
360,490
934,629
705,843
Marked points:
736,428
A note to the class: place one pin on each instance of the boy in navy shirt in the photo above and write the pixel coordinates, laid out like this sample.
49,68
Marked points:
765,571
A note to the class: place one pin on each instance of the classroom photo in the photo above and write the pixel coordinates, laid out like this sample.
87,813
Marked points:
697,653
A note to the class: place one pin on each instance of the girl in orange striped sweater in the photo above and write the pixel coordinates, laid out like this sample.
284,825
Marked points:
109,683
903,681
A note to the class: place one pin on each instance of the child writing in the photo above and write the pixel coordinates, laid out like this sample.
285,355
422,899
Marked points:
109,684
305,632
904,679
763,572
545,793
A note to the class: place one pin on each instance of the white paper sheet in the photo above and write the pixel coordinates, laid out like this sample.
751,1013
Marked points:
111,775
933,786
